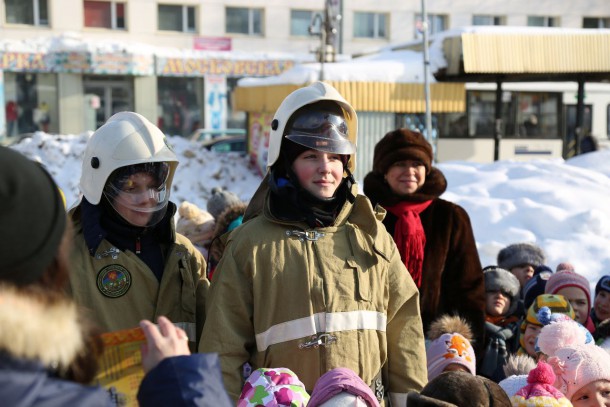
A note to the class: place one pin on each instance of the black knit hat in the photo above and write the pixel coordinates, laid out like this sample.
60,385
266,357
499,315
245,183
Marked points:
602,284
33,218
399,145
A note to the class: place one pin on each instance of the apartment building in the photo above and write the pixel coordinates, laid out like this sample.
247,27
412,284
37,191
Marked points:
67,65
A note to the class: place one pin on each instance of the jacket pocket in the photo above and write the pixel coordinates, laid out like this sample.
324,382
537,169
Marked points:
187,294
363,283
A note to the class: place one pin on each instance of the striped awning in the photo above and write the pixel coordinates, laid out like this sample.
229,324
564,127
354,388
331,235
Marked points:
363,96
538,54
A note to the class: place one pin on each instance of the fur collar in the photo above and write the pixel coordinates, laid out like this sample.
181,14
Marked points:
379,192
32,330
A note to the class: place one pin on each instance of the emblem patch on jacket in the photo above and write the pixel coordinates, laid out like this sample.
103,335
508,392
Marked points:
113,281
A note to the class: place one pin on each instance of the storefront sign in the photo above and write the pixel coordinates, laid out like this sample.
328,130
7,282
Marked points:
78,62
212,43
259,126
215,87
227,67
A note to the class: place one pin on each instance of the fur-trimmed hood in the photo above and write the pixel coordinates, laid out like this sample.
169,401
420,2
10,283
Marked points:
36,331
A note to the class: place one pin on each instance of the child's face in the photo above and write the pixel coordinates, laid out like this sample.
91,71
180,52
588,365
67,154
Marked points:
496,303
601,304
523,272
578,300
529,337
593,394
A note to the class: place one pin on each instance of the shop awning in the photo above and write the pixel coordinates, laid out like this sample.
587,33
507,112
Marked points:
363,96
527,54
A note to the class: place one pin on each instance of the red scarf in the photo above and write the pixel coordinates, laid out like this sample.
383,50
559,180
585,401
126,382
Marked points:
409,236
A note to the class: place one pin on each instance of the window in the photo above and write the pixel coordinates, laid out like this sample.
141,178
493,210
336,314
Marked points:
244,21
300,20
32,12
487,20
176,18
541,21
105,14
593,22
370,25
436,24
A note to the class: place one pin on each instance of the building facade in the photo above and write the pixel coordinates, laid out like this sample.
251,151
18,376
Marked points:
67,65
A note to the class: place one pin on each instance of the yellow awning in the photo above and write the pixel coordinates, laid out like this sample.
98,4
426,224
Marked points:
363,96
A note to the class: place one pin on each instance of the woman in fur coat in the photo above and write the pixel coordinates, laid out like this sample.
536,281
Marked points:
434,236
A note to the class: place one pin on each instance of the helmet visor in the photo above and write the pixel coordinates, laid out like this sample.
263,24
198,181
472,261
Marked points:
139,193
323,131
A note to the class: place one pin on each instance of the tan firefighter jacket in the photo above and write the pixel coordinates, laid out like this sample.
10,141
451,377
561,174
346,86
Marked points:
285,295
119,289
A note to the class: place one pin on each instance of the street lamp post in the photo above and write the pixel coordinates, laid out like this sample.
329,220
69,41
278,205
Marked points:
429,134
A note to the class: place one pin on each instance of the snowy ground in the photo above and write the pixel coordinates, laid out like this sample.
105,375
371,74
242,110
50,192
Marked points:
562,206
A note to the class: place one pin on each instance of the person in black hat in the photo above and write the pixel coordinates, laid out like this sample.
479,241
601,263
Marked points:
48,351
434,236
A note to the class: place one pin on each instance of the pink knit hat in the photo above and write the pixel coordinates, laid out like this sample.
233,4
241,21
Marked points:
342,384
578,365
539,390
448,349
566,278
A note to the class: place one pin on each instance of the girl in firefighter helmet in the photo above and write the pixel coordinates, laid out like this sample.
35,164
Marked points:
311,281
130,262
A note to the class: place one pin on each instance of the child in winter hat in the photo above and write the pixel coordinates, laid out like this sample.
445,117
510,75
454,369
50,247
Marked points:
601,304
273,388
535,286
220,200
559,331
531,326
450,347
583,372
521,259
539,390
502,325
575,288
342,387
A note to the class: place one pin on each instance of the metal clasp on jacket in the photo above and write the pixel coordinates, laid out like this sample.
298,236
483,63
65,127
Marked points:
113,252
309,235
318,340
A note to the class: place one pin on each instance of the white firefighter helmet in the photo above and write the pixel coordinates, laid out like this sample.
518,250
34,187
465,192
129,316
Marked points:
316,92
127,138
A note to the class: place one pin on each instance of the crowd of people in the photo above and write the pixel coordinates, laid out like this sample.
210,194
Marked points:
308,294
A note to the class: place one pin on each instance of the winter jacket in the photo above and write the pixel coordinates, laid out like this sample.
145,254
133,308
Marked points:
452,277
37,340
193,380
286,295
120,289
500,343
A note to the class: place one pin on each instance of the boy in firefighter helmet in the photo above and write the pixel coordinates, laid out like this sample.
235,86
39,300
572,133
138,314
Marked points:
129,263
313,281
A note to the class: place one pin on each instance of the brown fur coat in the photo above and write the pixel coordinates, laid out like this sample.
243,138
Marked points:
452,280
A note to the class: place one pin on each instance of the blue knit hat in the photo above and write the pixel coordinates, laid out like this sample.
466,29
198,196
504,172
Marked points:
603,284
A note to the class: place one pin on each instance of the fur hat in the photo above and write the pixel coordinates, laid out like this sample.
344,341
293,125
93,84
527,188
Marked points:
516,369
450,338
399,145
518,254
498,279
566,278
539,390
273,388
33,218
338,385
602,284
534,287
460,389
194,223
578,365
220,200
